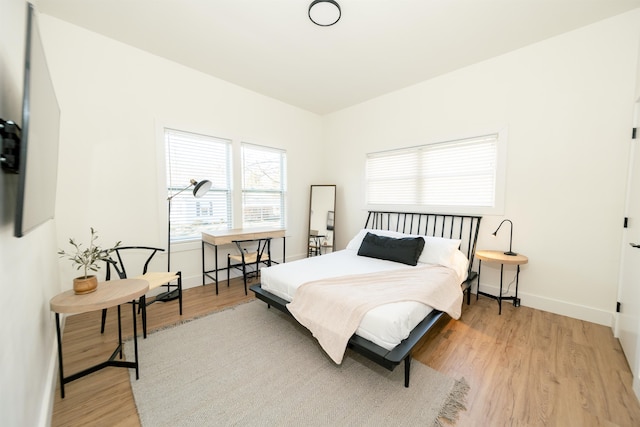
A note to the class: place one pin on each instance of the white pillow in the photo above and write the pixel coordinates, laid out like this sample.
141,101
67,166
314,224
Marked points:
460,264
437,250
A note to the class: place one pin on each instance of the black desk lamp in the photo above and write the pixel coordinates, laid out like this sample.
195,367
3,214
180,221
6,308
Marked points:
199,190
495,233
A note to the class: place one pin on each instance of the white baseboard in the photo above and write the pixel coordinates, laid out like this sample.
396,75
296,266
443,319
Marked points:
564,308
48,396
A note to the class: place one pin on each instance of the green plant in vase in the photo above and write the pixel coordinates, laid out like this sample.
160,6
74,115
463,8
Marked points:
87,260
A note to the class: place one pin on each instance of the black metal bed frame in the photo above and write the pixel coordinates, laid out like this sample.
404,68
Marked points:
462,227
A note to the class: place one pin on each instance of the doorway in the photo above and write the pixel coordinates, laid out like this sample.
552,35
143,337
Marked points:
628,320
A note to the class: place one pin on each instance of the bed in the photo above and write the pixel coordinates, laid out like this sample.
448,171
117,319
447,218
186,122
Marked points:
387,333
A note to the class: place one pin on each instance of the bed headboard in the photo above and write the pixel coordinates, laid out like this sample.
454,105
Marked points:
463,227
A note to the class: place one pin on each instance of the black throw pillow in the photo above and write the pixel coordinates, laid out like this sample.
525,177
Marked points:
406,250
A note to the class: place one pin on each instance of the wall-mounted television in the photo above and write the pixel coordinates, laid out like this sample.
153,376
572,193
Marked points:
38,172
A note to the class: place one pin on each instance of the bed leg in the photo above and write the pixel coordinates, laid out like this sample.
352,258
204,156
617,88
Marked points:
407,370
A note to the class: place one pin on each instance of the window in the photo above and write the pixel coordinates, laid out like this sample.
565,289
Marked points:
465,175
193,156
263,186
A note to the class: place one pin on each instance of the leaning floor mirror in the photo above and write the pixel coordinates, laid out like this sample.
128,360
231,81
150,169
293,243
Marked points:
322,210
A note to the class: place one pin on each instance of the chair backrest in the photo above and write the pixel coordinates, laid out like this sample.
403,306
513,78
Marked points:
262,246
118,264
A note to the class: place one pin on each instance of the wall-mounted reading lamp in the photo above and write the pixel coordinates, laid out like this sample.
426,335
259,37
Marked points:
495,233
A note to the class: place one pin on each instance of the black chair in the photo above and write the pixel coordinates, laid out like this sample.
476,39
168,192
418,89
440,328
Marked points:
314,243
156,279
249,262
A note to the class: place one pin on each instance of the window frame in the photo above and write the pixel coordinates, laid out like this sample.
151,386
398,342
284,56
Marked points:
499,189
235,179
166,189
283,182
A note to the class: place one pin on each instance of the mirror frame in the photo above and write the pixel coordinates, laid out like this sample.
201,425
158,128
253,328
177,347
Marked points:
329,222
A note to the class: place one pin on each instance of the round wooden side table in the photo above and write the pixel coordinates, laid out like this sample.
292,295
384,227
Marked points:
499,257
110,293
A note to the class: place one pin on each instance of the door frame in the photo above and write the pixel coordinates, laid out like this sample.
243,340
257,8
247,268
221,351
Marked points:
634,149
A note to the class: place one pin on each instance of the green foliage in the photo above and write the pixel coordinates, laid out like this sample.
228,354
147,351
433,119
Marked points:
88,259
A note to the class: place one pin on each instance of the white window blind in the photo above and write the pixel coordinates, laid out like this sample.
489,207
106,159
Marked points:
193,156
454,173
263,186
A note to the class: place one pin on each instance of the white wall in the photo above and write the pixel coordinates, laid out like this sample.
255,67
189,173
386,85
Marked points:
114,101
567,103
28,266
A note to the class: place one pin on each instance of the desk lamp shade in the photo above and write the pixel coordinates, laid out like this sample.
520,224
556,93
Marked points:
200,188
495,233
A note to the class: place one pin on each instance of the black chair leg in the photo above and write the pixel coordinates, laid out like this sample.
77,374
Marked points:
244,277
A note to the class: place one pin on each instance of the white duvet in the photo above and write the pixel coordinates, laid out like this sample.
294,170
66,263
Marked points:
386,325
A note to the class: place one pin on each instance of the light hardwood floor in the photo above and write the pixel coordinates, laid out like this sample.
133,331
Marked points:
525,367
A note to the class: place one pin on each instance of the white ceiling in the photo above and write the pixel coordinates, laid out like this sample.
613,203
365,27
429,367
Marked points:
378,46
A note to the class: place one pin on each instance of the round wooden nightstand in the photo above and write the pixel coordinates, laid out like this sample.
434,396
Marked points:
499,257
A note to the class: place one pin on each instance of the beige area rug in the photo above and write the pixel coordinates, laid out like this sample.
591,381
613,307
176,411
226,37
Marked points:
254,366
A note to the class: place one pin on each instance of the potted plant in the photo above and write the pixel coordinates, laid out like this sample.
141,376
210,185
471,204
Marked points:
87,260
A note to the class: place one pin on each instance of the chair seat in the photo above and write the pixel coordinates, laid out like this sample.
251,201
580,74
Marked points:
157,279
250,258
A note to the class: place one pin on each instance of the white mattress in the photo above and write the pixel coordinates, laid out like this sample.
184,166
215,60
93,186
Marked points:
385,326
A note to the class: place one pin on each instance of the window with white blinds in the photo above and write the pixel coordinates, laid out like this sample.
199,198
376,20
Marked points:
193,156
263,186
457,174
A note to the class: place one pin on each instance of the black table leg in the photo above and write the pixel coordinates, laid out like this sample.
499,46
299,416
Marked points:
216,261
202,256
60,355
479,269
500,294
135,337
120,330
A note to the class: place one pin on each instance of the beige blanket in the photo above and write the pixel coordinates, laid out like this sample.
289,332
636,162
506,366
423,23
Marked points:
333,308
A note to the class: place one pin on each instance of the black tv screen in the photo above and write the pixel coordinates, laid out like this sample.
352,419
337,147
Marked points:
38,173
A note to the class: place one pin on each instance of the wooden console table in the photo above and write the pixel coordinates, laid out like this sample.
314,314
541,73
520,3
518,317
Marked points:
226,237
108,294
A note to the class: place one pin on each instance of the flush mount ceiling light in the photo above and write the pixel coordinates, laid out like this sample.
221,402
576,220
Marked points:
324,12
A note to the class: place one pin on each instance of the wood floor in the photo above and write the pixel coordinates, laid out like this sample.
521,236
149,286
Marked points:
525,367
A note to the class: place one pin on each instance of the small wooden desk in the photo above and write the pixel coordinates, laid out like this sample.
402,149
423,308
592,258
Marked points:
225,237
108,294
501,258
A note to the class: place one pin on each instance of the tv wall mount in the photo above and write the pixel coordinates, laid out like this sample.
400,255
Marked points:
10,141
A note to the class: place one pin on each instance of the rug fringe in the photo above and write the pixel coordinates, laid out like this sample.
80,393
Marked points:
454,404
